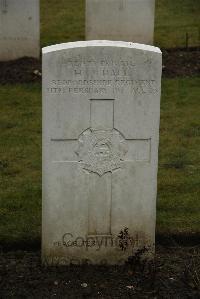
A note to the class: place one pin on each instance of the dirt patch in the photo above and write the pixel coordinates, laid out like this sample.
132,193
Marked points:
183,63
175,274
23,70
176,62
178,239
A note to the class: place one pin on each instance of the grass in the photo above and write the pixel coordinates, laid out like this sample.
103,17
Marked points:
64,21
20,163
174,19
178,207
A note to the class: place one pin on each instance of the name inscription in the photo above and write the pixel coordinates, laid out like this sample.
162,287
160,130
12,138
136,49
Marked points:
85,76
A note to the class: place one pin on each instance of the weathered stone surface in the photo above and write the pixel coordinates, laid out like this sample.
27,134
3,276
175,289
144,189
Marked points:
19,29
122,20
101,103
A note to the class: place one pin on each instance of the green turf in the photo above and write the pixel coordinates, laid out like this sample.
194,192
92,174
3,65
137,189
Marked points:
20,162
174,20
179,157
178,208
63,21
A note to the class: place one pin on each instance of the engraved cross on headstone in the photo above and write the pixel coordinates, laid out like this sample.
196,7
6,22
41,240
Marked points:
101,150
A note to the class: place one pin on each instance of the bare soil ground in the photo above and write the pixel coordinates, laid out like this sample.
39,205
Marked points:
176,62
174,274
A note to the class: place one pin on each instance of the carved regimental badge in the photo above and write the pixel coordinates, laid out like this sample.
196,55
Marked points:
101,151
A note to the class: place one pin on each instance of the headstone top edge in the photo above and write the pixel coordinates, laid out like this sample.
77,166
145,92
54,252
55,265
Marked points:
98,43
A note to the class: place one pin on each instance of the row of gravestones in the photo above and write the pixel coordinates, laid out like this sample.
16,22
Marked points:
101,106
20,29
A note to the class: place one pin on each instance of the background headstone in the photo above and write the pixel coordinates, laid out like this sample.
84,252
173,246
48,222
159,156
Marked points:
19,29
122,20
101,104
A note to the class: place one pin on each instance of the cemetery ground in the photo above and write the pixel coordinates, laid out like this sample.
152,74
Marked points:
20,164
176,271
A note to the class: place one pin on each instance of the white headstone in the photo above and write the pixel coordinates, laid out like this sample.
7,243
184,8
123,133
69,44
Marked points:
19,29
101,104
122,20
